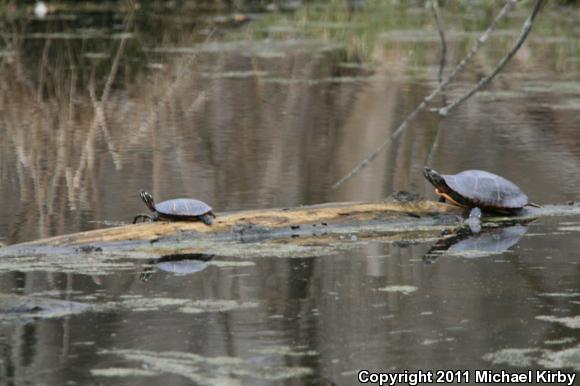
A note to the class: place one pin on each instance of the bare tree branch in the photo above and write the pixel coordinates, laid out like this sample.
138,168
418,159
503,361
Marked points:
527,27
458,69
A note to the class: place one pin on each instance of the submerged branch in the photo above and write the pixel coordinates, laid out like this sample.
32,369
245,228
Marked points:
442,86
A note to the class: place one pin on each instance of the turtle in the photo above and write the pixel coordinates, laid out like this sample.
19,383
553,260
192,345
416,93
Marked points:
178,264
179,209
489,242
478,190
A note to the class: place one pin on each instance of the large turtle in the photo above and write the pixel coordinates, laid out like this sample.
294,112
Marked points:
478,190
179,209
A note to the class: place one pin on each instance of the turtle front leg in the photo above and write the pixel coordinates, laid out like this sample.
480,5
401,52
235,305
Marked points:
207,219
474,220
147,272
142,216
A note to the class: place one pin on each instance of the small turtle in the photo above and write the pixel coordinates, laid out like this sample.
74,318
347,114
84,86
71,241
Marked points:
478,189
179,209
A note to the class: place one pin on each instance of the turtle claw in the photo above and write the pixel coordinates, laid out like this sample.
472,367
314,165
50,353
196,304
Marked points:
474,220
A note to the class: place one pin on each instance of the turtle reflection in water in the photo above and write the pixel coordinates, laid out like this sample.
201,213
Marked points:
179,209
178,264
478,190
466,245
21,307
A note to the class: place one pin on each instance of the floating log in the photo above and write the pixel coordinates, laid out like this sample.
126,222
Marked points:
301,231
263,221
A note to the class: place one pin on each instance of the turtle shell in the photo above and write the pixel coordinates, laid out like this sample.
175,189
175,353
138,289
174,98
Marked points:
183,207
486,190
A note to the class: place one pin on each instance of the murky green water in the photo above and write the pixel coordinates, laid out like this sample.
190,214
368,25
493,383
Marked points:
271,113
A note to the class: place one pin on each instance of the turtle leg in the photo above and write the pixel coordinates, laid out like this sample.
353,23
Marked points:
142,216
206,218
147,272
441,199
474,220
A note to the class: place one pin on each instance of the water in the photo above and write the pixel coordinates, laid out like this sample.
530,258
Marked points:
268,115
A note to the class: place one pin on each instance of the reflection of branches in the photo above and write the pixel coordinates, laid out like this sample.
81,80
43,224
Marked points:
13,36
118,56
442,86
56,136
182,71
434,146
99,119
442,61
56,140
42,69
435,8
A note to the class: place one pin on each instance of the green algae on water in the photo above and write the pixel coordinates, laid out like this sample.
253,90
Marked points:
568,358
526,357
286,351
122,372
200,306
404,289
231,263
512,356
568,321
208,371
188,306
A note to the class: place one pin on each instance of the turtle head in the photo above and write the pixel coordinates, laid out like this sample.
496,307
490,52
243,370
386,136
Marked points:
436,180
147,199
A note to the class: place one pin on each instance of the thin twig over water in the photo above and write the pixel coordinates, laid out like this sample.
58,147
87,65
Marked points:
458,69
484,81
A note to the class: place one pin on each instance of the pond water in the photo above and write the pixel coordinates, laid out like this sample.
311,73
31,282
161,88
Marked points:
256,110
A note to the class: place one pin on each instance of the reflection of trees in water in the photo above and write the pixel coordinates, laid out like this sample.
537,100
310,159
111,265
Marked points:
185,127
77,150
67,158
51,143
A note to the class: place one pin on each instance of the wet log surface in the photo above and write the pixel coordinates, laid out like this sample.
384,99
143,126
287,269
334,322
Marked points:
262,224
316,230
286,232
